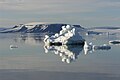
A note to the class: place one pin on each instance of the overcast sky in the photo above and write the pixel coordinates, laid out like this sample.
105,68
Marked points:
87,13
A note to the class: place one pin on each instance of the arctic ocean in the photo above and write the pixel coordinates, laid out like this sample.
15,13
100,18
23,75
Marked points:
24,54
29,60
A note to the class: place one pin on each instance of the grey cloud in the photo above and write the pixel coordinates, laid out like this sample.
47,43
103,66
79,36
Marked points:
111,4
84,11
59,5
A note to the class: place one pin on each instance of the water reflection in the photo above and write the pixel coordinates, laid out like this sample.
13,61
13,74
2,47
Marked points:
67,53
29,38
89,47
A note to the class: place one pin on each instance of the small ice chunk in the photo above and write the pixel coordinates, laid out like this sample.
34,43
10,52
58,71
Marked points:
13,46
68,26
73,31
61,32
68,60
63,28
56,35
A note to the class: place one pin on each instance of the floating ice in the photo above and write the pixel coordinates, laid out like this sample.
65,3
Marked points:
115,42
13,46
68,35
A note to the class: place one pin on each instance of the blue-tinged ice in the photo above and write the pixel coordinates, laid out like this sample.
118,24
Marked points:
67,36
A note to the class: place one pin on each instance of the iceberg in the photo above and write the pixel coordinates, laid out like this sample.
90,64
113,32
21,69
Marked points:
69,35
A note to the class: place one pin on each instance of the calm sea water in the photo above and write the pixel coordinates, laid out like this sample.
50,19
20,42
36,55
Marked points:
31,62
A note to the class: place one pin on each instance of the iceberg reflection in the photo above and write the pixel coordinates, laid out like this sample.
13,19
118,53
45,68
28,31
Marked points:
68,53
89,47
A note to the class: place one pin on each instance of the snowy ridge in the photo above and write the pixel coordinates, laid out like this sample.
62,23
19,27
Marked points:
37,27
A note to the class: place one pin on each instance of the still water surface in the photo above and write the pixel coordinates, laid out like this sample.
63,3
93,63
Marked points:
31,59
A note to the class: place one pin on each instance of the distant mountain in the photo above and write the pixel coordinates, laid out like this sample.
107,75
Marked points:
108,27
103,30
36,28
1,29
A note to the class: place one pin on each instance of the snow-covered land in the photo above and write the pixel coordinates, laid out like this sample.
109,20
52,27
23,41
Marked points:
37,27
103,30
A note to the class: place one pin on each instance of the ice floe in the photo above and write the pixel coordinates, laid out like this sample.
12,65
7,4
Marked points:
115,42
13,46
